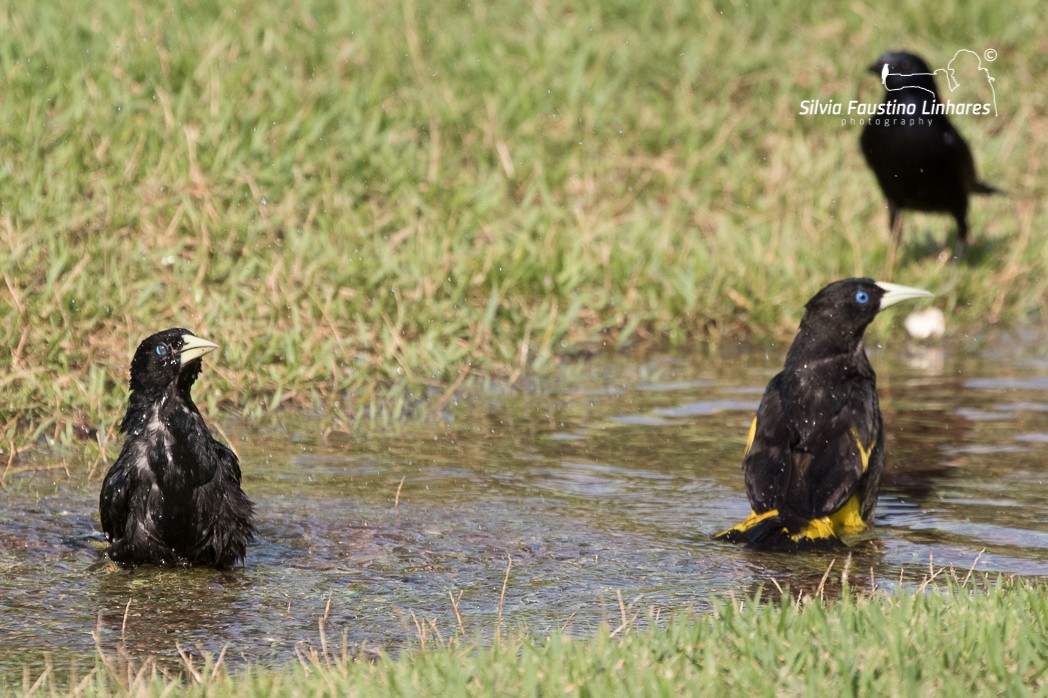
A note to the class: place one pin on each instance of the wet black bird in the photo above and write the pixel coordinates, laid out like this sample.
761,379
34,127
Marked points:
924,166
815,452
173,497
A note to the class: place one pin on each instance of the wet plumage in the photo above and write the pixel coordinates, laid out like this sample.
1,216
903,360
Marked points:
173,496
815,453
924,166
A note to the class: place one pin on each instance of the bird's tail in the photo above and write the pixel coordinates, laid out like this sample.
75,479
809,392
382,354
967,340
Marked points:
772,531
757,531
984,188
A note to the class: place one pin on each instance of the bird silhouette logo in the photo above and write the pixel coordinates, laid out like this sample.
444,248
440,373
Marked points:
964,71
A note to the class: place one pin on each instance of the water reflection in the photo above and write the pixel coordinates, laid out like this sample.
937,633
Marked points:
601,482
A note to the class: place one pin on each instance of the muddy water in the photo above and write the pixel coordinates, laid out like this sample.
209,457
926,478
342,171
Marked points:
600,485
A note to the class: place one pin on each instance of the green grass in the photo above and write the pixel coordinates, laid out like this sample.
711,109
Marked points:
371,204
961,637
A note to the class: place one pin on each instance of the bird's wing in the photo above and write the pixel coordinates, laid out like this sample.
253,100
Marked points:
768,463
113,502
817,478
960,156
229,465
212,496
839,456
231,524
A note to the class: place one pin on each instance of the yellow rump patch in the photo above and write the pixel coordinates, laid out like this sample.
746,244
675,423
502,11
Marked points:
845,521
816,529
848,519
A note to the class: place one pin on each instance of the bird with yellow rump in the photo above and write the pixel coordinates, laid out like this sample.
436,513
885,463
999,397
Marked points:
815,453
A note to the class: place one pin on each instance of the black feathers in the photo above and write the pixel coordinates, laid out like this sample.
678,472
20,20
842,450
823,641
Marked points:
815,454
922,166
173,497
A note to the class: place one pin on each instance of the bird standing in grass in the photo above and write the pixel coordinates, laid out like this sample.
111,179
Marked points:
815,452
920,160
173,497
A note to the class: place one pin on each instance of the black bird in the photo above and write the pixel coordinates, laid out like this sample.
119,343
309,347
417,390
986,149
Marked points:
815,452
173,497
921,166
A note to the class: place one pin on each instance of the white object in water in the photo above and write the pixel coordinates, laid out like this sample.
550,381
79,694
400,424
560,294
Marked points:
926,324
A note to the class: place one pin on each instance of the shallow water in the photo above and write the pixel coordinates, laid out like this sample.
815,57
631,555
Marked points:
600,484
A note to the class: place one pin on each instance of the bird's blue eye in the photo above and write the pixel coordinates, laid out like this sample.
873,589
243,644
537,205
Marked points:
161,350
862,297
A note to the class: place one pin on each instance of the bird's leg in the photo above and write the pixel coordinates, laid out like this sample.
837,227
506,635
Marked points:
962,236
954,255
895,221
